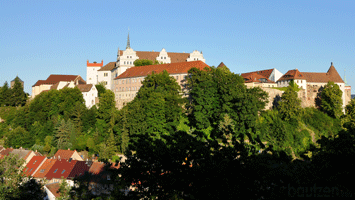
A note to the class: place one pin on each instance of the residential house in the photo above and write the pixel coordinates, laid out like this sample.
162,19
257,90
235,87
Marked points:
24,154
67,154
128,83
43,169
34,164
52,190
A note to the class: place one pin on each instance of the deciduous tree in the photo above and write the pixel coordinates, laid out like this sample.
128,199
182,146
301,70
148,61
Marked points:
331,100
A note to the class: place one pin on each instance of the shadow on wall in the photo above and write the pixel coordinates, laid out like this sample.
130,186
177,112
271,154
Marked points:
317,100
275,103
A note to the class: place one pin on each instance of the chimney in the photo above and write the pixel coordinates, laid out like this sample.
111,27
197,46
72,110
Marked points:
331,64
58,157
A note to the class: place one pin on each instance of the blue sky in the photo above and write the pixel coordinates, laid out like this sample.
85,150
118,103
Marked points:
39,38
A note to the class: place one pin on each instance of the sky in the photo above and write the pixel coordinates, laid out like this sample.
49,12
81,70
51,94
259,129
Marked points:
40,38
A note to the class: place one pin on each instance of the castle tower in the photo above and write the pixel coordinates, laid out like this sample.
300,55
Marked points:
91,72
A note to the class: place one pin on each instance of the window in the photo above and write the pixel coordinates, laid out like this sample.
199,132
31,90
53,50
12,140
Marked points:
105,82
127,56
164,57
63,171
55,171
30,169
105,74
131,56
124,62
92,101
35,161
161,57
89,78
42,170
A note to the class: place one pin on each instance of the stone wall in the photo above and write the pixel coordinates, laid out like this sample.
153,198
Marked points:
308,97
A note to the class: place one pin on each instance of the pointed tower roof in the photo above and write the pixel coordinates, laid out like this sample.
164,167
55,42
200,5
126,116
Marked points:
128,42
221,65
333,74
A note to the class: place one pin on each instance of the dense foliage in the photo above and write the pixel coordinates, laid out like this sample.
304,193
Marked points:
217,143
331,100
14,185
143,62
13,96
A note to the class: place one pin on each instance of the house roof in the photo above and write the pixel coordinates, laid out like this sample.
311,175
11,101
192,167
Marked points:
33,164
6,152
108,67
316,77
254,77
84,87
152,55
60,169
55,78
171,68
44,168
80,168
64,154
266,73
55,86
54,189
39,82
291,75
22,153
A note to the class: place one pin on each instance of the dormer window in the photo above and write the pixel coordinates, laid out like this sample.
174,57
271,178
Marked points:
42,170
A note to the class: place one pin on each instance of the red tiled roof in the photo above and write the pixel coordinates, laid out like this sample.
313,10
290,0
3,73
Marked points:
55,78
79,169
44,169
54,189
60,169
254,77
152,55
39,82
108,67
172,68
64,154
94,64
315,77
291,75
266,73
84,87
33,164
96,167
6,152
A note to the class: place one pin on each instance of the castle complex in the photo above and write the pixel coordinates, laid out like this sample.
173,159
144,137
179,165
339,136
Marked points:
97,73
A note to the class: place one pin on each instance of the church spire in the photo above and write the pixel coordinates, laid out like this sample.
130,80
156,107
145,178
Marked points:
128,42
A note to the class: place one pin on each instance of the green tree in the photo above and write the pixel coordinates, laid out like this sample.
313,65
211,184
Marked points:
215,92
350,116
143,62
331,100
106,106
156,109
5,94
100,88
64,190
290,104
13,183
18,96
65,134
